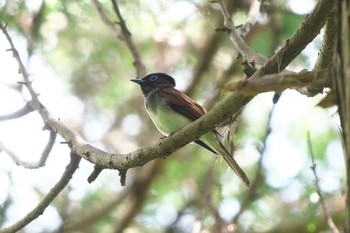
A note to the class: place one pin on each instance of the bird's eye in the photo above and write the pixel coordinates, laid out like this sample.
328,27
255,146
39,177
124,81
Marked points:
153,78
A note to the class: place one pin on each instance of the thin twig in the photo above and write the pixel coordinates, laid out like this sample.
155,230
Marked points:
6,204
140,66
48,198
26,109
206,193
255,59
325,211
95,213
253,14
47,150
22,69
33,165
259,174
103,17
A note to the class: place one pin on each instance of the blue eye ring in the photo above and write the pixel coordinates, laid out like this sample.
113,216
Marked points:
153,78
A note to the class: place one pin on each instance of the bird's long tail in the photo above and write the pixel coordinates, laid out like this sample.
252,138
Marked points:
233,164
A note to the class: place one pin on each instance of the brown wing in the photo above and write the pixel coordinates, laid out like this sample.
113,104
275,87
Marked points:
182,103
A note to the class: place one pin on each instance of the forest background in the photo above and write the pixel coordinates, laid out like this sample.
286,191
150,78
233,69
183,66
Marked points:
72,74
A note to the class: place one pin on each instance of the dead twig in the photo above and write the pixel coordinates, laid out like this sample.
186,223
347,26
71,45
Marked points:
325,211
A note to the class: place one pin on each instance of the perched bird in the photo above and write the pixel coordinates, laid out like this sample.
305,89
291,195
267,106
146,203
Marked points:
171,110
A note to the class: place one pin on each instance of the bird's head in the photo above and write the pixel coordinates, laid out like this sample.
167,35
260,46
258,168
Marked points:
154,81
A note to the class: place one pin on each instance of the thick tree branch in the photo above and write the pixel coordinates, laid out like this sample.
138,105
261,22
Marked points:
329,43
341,66
301,38
48,198
281,81
328,49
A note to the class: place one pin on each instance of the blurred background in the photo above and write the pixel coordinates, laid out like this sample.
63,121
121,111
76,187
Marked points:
81,71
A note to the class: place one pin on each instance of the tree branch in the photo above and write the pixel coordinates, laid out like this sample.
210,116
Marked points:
253,192
48,198
325,211
44,155
341,64
125,33
253,14
22,69
328,49
141,69
103,17
329,43
308,30
140,66
26,109
281,81
255,59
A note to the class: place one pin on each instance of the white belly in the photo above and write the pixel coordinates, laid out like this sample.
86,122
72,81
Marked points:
168,121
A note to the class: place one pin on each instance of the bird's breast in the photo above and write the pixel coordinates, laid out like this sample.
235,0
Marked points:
164,117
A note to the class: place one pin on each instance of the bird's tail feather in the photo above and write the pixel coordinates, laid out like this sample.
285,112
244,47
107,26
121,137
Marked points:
233,164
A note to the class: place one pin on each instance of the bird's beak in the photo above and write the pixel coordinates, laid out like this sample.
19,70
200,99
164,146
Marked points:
138,81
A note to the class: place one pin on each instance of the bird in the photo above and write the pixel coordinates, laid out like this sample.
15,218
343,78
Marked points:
170,110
